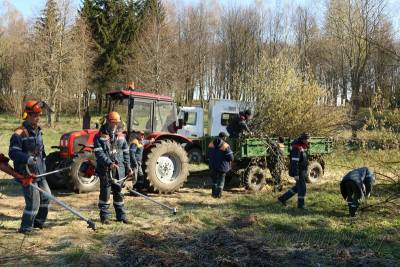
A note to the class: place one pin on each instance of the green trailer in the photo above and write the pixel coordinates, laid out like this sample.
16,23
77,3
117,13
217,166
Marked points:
251,153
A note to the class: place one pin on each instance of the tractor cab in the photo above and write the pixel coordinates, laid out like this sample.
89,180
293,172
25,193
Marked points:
145,112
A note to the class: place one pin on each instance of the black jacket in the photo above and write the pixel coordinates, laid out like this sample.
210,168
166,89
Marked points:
237,125
362,177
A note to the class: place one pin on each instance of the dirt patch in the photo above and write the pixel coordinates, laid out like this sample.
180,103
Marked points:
220,246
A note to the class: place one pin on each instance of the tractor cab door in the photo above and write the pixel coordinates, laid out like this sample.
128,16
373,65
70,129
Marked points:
165,117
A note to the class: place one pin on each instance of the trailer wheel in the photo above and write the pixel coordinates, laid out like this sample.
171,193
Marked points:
84,178
167,167
254,178
195,156
315,172
57,180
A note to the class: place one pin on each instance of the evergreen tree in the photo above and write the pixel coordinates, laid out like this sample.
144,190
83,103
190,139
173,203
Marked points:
113,26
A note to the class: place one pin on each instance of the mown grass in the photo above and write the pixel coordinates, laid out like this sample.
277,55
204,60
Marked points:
255,221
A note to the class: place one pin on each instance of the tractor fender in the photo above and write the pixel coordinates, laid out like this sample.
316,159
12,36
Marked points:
158,136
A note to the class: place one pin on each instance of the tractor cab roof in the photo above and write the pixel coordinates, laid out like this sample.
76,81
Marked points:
136,94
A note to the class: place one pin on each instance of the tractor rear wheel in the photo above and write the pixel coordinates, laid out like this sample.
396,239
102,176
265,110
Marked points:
254,178
167,167
84,178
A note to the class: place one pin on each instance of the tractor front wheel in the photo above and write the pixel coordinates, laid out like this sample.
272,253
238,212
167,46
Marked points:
84,178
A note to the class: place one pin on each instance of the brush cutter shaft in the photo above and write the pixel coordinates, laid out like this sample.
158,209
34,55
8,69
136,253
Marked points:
152,200
90,223
59,202
47,173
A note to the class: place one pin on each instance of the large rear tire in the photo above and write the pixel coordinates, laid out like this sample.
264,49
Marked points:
254,178
167,167
83,174
57,180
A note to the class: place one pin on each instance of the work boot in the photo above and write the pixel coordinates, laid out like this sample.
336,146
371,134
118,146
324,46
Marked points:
38,225
352,211
105,221
24,231
125,221
282,202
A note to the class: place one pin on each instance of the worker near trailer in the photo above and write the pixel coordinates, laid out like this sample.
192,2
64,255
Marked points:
112,155
355,186
298,169
275,161
27,151
238,124
136,149
220,158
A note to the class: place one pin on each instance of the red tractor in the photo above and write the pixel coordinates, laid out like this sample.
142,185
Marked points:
165,161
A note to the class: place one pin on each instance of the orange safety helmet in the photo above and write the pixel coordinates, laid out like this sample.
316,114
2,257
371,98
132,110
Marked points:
113,116
32,107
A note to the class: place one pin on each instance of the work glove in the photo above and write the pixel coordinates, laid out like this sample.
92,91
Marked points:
129,172
31,161
296,178
28,180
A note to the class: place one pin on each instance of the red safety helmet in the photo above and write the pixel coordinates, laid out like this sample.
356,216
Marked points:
33,106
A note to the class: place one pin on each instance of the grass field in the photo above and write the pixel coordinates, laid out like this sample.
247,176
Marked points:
241,229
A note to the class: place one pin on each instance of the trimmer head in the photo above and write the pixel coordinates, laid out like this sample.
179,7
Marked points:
91,224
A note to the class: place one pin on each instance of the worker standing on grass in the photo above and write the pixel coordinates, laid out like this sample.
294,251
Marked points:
238,124
136,148
275,162
113,163
298,169
220,158
356,186
27,149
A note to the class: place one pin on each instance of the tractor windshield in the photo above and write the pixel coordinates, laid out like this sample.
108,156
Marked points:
141,116
165,117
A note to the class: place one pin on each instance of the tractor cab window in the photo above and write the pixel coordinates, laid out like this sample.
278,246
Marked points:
141,116
165,117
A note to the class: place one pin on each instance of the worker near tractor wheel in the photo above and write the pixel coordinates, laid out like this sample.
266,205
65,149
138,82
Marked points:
298,169
112,155
27,152
220,159
238,124
356,186
136,148
275,162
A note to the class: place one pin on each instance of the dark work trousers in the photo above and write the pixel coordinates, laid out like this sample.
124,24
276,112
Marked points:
218,181
353,196
140,182
299,189
36,205
104,199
